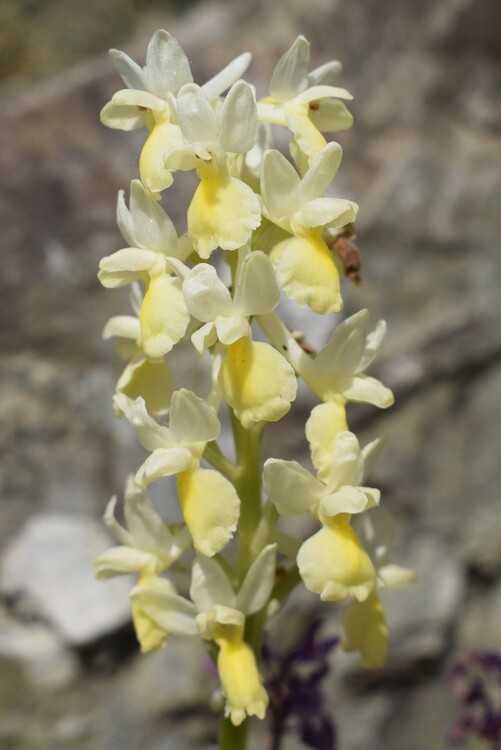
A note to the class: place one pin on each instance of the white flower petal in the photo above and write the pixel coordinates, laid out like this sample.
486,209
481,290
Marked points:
173,613
182,157
290,487
238,119
371,452
192,420
321,212
372,345
123,326
347,461
196,116
279,181
163,462
167,65
215,86
125,266
330,115
129,71
118,531
147,529
124,221
394,576
152,227
258,583
210,584
149,433
345,500
290,74
119,561
321,173
232,328
366,390
204,337
135,98
205,294
345,347
321,92
256,290
122,116
327,74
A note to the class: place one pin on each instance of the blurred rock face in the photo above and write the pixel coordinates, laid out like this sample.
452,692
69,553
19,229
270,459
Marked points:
423,162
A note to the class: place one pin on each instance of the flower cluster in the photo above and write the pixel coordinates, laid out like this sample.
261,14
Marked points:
258,225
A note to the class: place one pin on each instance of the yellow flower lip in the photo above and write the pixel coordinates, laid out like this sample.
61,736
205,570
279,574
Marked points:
240,679
334,564
245,380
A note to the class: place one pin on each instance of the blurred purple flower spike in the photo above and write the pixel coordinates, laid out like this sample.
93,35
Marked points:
295,686
476,683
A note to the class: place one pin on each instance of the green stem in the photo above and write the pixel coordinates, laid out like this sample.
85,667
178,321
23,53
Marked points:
214,455
248,485
232,737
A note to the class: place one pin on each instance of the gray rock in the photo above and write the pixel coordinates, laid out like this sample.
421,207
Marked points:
46,662
422,616
50,565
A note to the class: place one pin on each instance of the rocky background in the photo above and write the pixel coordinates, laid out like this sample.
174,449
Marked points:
423,162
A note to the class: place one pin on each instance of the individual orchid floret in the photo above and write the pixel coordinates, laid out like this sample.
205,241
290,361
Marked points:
244,372
152,379
208,500
336,374
306,103
153,256
147,546
364,624
220,617
306,269
150,100
224,210
333,562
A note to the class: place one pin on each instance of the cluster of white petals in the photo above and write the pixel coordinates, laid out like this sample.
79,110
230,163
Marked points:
258,225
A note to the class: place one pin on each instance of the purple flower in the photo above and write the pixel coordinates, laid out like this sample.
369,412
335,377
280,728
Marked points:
294,684
476,681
